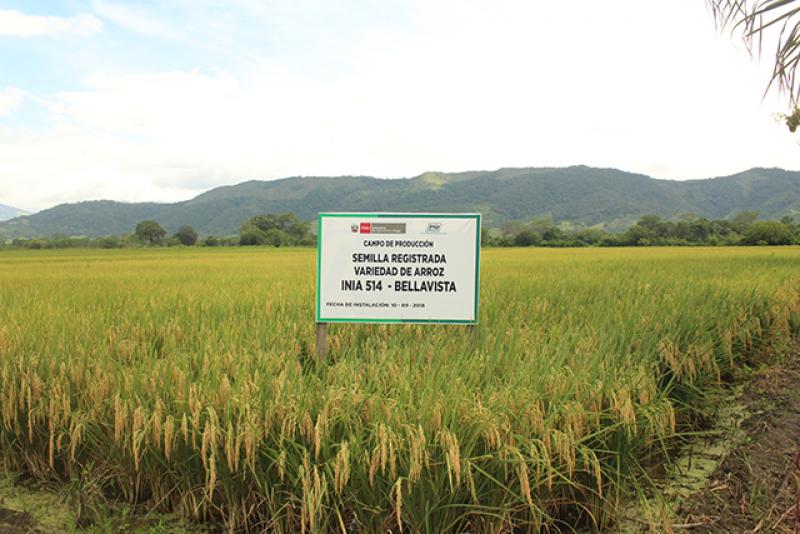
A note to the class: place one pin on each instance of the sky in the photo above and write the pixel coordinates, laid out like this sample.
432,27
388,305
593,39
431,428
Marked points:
159,101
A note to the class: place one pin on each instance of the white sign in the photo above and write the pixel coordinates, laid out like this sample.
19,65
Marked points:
398,267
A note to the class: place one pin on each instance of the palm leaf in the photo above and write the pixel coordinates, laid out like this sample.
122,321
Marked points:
757,19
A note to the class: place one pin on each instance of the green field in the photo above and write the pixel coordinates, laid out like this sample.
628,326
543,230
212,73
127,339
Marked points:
186,379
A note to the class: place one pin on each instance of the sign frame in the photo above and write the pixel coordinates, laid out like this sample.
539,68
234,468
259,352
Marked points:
399,215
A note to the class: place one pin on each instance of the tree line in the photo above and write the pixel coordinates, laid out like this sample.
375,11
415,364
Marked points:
276,230
286,229
650,230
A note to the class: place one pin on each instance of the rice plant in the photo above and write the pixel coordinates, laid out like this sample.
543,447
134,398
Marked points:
186,378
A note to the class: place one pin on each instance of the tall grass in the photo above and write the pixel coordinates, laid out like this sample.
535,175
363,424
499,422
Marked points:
186,378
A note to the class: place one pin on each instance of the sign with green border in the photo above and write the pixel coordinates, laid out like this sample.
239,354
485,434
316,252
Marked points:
398,267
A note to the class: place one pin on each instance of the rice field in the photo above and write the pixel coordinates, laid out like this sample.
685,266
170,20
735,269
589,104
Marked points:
185,378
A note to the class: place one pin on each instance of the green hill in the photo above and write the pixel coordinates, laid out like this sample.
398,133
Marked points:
9,212
579,195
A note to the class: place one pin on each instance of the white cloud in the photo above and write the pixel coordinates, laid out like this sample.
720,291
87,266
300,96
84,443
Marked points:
17,24
470,88
134,18
10,100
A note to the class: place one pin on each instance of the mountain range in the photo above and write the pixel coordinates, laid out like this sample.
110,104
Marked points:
578,196
9,212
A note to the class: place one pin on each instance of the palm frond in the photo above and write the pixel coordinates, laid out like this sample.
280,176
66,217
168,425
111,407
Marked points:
760,19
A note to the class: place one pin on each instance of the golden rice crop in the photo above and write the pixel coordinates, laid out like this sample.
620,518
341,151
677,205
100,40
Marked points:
187,378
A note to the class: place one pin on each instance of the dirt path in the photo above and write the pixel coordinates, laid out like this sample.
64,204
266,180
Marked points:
24,509
30,508
13,522
757,487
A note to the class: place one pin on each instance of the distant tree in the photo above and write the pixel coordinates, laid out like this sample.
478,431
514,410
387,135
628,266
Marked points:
654,225
252,235
278,238
742,220
554,233
592,236
650,229
637,235
768,233
150,232
512,228
699,230
109,242
186,235
286,222
276,230
722,228
526,238
485,237
211,241
543,225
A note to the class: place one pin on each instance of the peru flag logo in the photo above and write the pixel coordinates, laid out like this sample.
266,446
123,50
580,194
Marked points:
366,228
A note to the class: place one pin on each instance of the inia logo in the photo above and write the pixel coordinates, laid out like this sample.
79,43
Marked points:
434,228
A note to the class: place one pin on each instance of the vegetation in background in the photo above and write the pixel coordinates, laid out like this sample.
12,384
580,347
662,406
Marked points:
287,230
579,196
186,235
150,232
284,229
185,378
216,241
650,230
